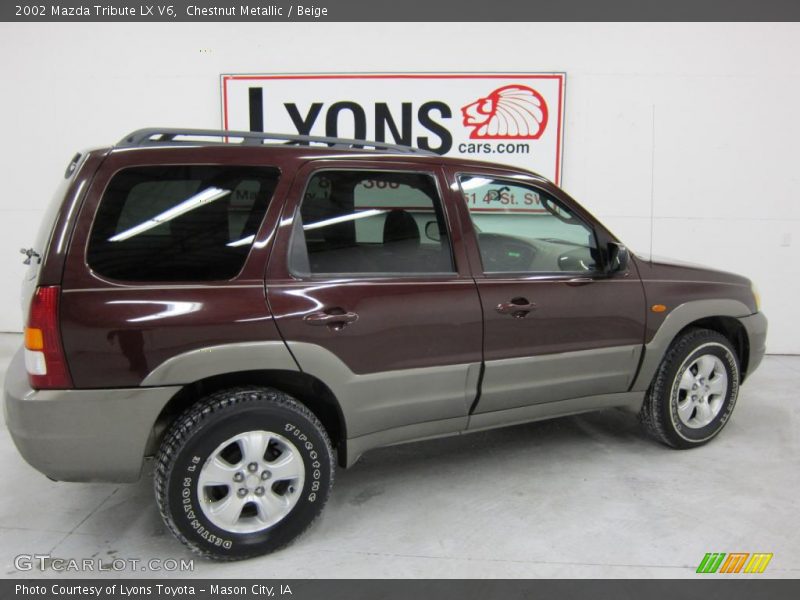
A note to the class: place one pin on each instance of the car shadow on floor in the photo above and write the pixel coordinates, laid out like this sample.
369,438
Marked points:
129,516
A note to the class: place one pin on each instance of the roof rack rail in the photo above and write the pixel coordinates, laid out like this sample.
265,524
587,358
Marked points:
161,136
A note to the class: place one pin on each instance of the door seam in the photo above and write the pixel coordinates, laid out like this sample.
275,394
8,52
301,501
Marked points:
474,404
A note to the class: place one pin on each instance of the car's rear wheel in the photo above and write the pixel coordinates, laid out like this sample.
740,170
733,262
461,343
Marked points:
694,390
243,473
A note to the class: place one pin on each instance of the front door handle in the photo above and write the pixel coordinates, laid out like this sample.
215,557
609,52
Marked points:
332,320
517,308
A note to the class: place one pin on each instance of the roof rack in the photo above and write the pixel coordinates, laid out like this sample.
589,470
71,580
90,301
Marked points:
162,136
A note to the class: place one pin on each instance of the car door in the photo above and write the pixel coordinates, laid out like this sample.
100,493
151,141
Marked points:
370,287
557,326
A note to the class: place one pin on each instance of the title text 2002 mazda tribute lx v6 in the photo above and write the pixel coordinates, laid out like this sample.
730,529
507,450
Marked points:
247,307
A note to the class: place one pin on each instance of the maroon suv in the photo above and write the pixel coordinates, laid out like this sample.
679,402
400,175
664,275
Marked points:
245,306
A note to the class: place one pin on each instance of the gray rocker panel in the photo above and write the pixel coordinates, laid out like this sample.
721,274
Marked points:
525,414
408,402
546,378
390,399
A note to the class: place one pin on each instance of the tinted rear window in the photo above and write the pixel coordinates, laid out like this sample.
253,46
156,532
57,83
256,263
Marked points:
179,223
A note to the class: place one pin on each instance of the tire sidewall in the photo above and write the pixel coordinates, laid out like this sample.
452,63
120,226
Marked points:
695,436
182,496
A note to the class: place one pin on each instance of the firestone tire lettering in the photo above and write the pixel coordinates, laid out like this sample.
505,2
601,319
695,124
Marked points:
659,415
195,435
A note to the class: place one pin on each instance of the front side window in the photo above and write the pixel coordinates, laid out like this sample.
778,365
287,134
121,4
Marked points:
370,222
522,229
179,223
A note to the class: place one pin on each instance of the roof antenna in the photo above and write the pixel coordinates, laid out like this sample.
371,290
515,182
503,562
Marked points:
652,181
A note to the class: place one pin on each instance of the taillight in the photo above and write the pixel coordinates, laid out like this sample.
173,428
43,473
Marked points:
44,354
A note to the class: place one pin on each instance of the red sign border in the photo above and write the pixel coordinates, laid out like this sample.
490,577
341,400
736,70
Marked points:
561,76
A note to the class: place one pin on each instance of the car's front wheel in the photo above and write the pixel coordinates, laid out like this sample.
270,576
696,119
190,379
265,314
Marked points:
242,473
694,390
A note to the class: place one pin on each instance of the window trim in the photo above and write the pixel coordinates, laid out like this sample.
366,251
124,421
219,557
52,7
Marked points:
523,181
449,275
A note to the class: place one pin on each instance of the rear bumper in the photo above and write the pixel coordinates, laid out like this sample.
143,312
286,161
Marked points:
81,435
756,327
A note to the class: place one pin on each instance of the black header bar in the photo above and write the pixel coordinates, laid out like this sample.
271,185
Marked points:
398,10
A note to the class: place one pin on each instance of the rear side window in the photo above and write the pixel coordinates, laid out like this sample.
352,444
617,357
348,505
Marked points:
370,222
179,223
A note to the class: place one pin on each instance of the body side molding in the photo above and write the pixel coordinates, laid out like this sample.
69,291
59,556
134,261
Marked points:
368,403
545,378
391,399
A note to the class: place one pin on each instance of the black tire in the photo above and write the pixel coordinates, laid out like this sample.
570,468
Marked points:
660,413
206,427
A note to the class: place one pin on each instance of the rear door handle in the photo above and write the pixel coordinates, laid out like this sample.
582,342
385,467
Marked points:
517,308
333,320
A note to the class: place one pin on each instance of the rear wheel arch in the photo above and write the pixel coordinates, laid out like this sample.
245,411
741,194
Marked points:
306,389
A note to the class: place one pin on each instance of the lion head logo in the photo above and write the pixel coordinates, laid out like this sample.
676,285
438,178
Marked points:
512,111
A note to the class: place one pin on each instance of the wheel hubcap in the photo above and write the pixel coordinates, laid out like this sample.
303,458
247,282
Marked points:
702,388
251,482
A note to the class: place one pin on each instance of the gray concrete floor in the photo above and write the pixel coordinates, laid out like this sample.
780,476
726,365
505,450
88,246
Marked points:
584,496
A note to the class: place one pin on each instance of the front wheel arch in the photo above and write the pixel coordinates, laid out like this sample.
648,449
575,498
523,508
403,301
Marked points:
733,330
719,315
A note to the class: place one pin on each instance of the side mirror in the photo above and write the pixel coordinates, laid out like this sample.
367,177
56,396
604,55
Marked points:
432,231
618,258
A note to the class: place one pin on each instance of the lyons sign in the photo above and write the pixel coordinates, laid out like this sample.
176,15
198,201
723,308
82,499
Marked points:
516,119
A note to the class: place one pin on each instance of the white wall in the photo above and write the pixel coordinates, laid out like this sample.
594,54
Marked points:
726,98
